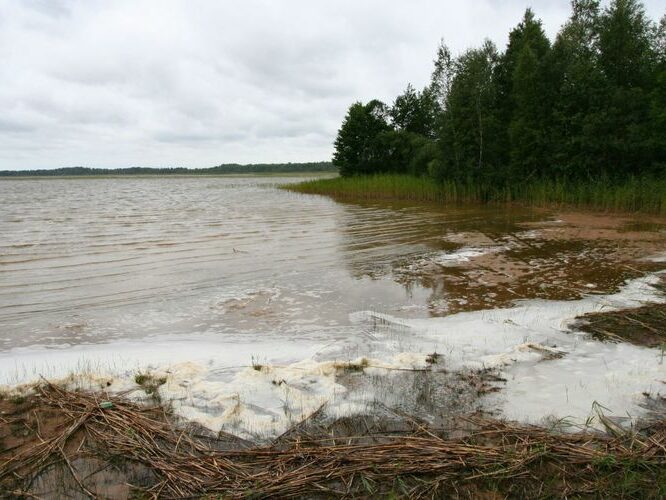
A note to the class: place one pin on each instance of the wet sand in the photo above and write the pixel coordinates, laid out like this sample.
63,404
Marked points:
566,256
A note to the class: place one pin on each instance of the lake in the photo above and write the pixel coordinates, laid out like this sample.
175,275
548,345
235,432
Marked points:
250,297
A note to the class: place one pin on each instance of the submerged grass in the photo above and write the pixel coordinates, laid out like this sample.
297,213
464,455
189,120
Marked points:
149,383
644,325
633,195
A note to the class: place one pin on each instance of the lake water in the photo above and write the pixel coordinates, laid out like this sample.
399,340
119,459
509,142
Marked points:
204,277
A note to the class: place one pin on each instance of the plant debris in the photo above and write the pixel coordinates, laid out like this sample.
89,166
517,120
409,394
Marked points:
644,326
143,451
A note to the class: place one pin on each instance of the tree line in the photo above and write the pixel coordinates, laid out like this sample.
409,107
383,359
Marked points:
229,168
590,105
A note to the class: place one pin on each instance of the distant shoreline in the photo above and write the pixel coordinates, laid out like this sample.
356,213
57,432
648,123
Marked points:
224,169
322,173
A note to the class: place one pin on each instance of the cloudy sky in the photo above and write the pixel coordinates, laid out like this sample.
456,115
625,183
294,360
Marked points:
197,83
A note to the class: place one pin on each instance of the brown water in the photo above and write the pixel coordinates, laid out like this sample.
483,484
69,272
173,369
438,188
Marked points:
198,278
93,260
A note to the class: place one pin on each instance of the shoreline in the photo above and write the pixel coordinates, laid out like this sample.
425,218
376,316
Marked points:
491,361
413,378
164,176
60,442
61,439
643,196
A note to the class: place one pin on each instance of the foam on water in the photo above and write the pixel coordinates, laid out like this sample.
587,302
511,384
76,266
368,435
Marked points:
661,257
264,385
462,255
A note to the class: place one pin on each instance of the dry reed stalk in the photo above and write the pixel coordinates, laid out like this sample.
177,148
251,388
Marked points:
188,467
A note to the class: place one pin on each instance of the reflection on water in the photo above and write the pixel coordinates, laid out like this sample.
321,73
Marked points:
93,260
480,258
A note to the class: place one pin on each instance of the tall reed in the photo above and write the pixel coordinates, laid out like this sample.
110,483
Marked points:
633,195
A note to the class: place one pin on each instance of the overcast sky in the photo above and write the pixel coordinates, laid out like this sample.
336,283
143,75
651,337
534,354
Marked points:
197,83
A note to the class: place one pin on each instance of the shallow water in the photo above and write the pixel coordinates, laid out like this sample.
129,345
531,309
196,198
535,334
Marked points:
123,273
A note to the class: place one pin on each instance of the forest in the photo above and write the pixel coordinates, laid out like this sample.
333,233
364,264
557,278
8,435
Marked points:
589,106
224,169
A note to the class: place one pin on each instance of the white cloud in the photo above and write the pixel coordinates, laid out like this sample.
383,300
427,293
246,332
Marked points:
179,83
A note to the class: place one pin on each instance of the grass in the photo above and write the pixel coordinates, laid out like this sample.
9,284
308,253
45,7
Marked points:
256,365
433,359
149,383
632,195
17,399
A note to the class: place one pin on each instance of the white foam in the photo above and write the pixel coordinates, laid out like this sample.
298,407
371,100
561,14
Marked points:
462,255
661,257
550,371
614,375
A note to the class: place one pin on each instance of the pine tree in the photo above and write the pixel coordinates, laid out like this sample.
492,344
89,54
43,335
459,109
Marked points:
580,95
627,59
658,102
592,106
525,98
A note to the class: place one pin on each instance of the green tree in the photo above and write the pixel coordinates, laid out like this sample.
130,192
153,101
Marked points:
660,41
525,97
628,60
591,106
415,112
625,44
426,156
580,88
658,102
444,73
472,125
357,147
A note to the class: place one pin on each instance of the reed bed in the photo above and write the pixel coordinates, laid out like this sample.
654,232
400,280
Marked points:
632,195
492,456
